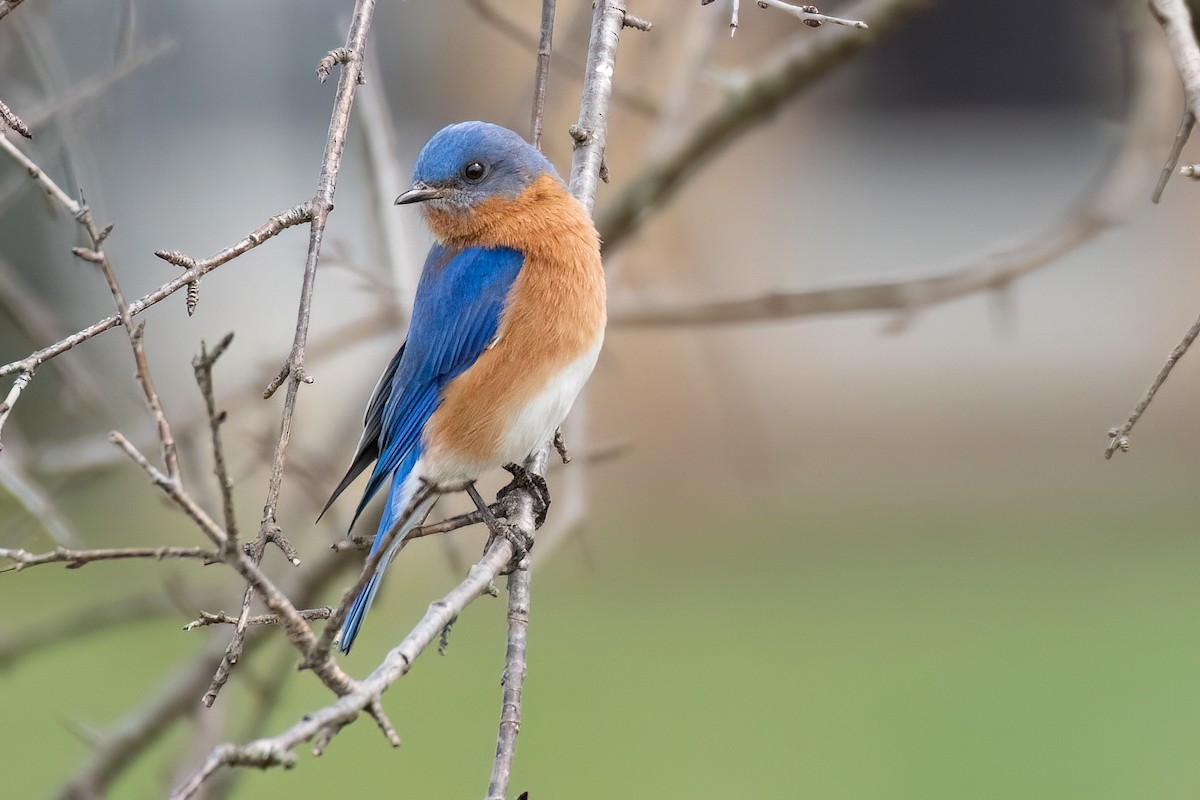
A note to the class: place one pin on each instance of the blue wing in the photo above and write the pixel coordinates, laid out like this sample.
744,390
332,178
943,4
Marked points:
456,315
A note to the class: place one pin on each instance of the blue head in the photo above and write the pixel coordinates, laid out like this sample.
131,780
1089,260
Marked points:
469,162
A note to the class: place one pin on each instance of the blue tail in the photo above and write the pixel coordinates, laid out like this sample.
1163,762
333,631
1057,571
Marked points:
397,511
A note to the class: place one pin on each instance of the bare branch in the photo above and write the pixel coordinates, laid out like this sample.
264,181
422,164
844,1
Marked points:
631,100
320,652
121,744
221,618
77,558
324,723
35,172
513,680
1181,137
1119,437
140,728
202,366
297,629
810,16
591,131
351,58
13,121
1101,205
1176,20
14,394
542,74
193,270
6,7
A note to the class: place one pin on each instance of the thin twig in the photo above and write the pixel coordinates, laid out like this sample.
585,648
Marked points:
14,394
810,16
206,618
6,7
13,121
351,59
1119,437
501,509
320,652
542,73
202,366
591,131
298,631
1101,205
77,558
1176,20
628,99
192,270
322,724
121,745
1181,136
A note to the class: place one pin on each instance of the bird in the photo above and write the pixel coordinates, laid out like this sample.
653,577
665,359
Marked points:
507,323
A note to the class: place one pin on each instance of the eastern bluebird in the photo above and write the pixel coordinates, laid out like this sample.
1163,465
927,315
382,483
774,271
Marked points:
506,326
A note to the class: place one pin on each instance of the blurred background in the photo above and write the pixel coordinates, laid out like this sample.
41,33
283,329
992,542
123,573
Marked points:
855,555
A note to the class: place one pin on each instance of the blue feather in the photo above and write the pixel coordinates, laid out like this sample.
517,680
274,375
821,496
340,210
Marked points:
456,314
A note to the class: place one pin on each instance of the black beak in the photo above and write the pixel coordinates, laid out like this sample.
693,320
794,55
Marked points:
419,193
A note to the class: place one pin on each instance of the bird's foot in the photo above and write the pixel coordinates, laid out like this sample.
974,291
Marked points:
534,484
521,542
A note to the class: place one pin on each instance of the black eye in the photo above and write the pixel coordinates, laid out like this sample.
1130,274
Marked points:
474,171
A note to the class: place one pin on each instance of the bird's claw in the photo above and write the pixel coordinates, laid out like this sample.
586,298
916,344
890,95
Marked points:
521,543
534,484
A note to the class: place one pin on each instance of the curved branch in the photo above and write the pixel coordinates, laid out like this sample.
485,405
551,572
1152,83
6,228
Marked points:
1100,206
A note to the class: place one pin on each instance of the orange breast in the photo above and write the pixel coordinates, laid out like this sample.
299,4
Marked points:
555,314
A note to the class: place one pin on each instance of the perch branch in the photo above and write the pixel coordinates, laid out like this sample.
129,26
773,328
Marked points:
321,725
513,680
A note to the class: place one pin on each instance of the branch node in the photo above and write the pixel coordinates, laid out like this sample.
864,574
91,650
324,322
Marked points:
338,55
375,709
637,23
444,637
561,446
580,135
277,381
13,121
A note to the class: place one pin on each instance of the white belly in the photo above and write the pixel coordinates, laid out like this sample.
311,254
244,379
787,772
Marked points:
534,423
